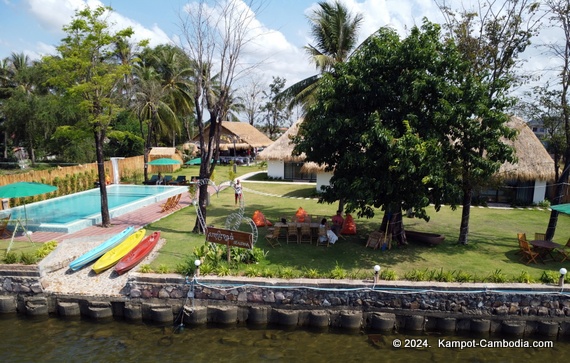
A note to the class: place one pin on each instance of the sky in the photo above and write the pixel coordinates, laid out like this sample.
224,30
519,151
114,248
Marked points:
34,27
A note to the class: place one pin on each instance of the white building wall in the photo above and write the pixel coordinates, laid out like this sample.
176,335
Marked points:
539,191
323,178
276,169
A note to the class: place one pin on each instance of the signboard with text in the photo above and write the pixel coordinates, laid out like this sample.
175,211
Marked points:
229,237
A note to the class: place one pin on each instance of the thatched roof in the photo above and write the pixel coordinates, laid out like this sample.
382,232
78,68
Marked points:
247,136
282,148
533,161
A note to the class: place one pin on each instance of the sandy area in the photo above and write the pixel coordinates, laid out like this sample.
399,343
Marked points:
57,277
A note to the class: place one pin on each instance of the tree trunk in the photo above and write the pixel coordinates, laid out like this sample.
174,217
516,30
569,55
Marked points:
560,190
464,228
105,218
202,204
393,224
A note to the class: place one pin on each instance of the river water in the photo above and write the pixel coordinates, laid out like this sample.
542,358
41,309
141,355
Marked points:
59,340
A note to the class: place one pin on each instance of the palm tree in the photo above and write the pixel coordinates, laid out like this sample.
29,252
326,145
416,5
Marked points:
162,93
335,30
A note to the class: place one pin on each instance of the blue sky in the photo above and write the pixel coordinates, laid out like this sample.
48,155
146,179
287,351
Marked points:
34,27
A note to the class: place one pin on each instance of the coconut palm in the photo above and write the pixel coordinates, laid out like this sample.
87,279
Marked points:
162,92
335,30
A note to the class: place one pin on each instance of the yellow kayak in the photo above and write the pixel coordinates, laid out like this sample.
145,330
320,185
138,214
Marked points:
113,256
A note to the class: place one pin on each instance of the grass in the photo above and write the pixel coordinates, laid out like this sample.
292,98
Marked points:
489,256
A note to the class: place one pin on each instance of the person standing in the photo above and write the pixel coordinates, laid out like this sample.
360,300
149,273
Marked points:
237,191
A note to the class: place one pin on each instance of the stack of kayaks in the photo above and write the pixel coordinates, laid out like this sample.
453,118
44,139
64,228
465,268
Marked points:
111,257
138,253
100,250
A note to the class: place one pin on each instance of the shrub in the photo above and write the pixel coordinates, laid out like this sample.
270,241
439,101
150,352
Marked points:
497,276
11,258
162,269
462,276
145,268
338,273
388,275
46,249
28,258
524,277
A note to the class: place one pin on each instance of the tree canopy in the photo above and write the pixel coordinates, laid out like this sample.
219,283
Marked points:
390,119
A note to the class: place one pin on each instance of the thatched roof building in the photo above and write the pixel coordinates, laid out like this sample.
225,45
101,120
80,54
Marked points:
244,135
533,161
282,148
164,152
534,166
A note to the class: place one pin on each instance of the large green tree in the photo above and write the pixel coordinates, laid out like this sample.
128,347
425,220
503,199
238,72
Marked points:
491,38
162,93
384,122
86,69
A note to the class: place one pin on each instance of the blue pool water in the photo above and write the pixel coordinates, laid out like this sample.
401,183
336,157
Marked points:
74,212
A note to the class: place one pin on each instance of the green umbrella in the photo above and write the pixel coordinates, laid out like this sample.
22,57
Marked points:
25,189
20,190
564,208
195,161
164,161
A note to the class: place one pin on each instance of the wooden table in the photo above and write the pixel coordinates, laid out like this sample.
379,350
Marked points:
545,248
313,225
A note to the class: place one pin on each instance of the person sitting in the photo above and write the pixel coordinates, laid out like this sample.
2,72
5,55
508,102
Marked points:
330,236
337,222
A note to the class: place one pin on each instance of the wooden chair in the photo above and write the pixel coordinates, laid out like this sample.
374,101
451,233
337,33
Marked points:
521,237
4,226
273,237
292,231
176,201
323,239
306,236
527,253
565,251
374,240
167,205
540,236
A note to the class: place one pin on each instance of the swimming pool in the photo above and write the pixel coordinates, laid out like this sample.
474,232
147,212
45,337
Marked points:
71,213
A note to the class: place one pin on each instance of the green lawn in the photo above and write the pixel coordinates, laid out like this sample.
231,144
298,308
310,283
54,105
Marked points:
491,250
489,256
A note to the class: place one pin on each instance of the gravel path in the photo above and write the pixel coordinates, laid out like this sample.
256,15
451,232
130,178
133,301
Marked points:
57,277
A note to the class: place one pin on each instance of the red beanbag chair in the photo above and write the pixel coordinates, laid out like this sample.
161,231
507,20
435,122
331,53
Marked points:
260,220
301,215
348,227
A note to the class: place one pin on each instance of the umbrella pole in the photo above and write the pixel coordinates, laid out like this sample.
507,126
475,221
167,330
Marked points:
21,225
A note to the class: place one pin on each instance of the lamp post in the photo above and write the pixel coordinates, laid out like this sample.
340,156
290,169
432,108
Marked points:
197,263
563,272
376,273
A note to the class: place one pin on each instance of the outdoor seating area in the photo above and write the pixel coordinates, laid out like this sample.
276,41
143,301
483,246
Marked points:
301,228
540,249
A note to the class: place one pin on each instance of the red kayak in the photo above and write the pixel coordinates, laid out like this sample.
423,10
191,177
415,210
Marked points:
138,253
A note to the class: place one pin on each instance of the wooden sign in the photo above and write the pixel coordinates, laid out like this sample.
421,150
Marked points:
229,237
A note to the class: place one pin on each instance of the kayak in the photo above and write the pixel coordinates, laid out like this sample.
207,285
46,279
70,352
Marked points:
111,257
100,250
138,253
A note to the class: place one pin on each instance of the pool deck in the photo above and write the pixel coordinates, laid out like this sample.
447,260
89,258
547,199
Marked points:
137,218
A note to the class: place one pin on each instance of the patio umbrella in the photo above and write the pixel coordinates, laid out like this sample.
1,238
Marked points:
164,161
25,189
195,161
564,208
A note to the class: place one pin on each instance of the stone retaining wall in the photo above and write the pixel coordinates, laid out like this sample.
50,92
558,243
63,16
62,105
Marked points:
518,309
